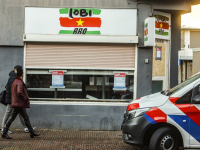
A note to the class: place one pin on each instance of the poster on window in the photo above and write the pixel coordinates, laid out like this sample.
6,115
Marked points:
158,52
57,78
119,81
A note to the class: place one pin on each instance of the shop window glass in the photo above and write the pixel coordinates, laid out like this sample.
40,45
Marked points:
82,85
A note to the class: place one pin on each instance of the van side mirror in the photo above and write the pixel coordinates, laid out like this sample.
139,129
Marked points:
196,99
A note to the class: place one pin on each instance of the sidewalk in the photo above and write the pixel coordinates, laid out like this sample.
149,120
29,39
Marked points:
66,140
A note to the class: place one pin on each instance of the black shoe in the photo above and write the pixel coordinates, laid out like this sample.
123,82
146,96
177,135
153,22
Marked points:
34,134
5,136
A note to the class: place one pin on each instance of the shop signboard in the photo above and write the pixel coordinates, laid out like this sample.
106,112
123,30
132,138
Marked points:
162,25
57,79
149,31
82,21
120,81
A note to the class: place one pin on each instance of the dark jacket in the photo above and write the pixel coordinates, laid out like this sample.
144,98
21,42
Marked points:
19,94
12,75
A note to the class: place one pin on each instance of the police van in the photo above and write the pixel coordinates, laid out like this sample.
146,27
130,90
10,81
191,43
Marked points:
166,120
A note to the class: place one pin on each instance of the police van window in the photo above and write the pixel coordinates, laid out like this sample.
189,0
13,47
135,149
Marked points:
196,90
182,85
185,99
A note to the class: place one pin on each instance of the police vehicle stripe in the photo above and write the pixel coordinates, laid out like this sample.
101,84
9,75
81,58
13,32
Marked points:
149,119
195,132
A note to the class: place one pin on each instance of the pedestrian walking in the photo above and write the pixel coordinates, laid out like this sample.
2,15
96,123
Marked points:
19,101
9,109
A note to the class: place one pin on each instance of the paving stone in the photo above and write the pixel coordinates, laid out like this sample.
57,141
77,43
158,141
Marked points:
66,140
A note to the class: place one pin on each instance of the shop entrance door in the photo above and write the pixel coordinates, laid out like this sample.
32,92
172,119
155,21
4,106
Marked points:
157,86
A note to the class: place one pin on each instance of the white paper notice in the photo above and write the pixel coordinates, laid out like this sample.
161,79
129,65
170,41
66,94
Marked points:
57,78
158,53
120,81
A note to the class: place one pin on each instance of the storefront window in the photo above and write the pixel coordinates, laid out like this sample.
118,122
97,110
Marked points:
79,84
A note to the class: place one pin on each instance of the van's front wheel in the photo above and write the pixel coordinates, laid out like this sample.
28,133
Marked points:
164,139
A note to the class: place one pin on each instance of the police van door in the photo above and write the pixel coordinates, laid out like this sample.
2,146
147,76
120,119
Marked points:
195,117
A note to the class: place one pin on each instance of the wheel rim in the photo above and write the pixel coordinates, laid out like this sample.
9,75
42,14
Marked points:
167,143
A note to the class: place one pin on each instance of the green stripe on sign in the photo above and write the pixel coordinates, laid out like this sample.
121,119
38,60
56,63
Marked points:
64,11
93,32
146,39
71,32
164,33
146,25
94,11
66,32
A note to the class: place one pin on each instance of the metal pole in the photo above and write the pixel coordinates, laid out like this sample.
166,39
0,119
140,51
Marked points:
55,93
103,87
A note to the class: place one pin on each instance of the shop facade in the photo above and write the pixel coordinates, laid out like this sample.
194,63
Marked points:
86,45
99,51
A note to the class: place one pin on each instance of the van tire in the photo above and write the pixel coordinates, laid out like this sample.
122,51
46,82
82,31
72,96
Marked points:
164,137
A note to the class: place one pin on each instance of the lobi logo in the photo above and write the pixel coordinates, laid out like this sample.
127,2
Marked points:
162,24
80,20
82,12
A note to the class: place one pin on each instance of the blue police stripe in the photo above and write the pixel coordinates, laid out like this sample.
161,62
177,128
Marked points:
179,120
149,119
194,130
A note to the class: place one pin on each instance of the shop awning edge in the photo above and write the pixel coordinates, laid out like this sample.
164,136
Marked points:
80,38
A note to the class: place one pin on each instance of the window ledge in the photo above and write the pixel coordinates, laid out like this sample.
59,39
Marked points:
79,100
124,104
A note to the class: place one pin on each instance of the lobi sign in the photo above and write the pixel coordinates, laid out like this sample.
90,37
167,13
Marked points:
80,21
157,27
162,25
149,31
